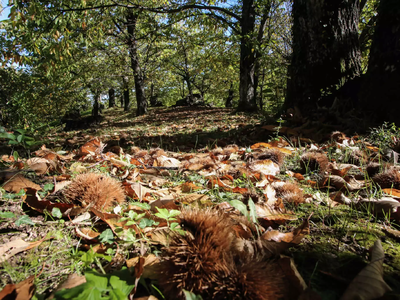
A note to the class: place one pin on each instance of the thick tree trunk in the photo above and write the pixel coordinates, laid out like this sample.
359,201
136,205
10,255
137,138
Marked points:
111,97
380,93
190,90
247,101
127,102
326,52
135,64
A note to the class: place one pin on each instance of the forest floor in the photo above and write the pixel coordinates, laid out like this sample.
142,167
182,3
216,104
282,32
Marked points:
322,200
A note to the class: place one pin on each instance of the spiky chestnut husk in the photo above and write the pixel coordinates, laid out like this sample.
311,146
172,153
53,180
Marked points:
95,190
388,179
289,192
207,262
314,161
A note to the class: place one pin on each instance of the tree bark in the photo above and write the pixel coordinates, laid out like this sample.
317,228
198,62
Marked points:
127,103
96,105
326,51
381,90
141,100
111,97
229,99
247,101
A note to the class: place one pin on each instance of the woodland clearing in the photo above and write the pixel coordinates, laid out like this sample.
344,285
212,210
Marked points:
325,212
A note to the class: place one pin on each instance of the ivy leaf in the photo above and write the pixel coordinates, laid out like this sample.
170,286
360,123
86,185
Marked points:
107,236
24,220
56,212
6,214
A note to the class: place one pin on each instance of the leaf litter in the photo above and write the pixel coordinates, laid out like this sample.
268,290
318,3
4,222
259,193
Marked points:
300,209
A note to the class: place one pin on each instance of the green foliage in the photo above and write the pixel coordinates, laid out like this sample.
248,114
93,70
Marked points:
56,212
24,220
114,286
107,236
191,296
6,215
385,136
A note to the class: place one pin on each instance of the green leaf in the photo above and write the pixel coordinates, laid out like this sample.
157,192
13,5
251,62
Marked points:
141,205
115,286
48,187
191,296
8,136
6,214
107,236
19,138
166,214
146,223
253,213
24,220
56,212
240,206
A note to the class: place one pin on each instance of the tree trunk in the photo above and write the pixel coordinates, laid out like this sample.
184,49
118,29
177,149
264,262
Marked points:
126,93
380,93
96,105
190,90
111,97
247,101
141,100
325,50
228,102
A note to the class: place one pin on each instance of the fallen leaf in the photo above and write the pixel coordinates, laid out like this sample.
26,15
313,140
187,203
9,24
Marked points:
369,283
266,167
33,200
19,182
72,281
9,249
20,291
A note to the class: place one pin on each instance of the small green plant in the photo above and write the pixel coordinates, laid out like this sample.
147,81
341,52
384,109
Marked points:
115,286
18,138
385,136
169,215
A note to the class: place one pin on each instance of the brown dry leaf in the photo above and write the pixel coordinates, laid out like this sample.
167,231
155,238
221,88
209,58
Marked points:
339,197
113,220
191,198
189,187
260,145
293,238
93,147
296,282
33,200
168,162
19,182
72,281
385,206
87,233
392,192
266,167
20,291
9,249
150,266
338,182
140,190
40,165
369,283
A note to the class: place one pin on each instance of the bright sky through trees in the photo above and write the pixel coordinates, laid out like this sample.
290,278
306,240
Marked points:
4,10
